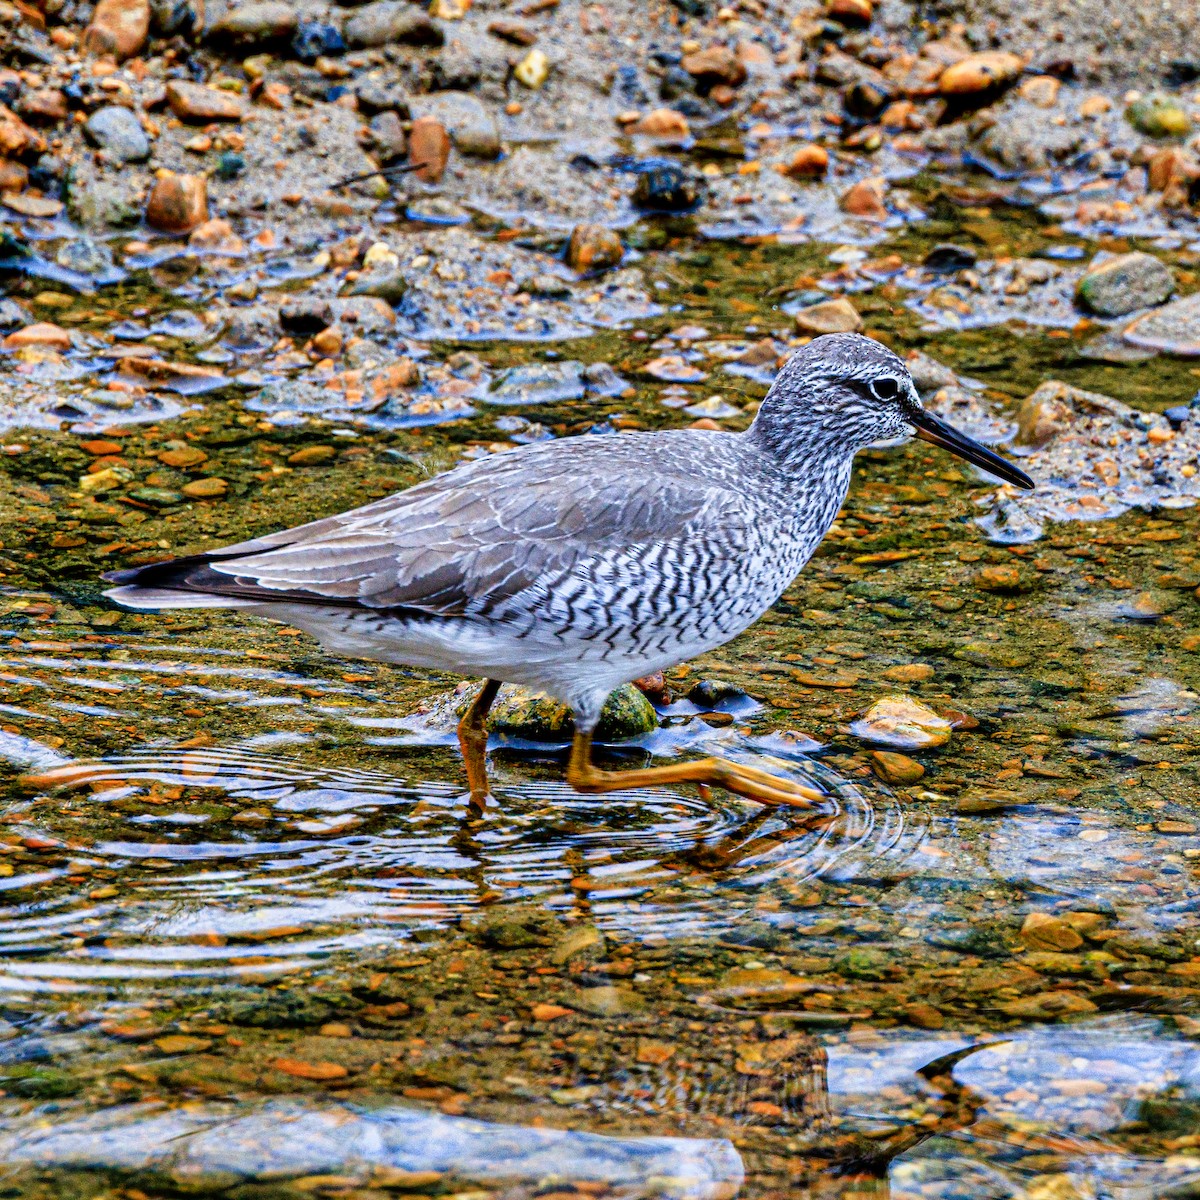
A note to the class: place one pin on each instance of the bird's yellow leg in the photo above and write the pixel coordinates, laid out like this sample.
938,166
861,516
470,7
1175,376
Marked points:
584,776
472,737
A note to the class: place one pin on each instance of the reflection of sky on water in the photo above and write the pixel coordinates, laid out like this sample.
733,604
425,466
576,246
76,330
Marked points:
203,1146
1057,1100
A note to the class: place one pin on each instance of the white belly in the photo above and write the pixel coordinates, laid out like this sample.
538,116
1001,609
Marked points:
572,670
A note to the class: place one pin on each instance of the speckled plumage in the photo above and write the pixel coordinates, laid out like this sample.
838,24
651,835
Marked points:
572,566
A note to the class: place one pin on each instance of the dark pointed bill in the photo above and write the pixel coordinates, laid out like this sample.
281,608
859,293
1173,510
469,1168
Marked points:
935,431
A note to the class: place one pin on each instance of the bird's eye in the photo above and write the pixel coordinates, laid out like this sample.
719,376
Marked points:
885,388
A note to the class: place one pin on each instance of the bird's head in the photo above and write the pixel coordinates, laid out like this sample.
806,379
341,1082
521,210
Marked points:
845,391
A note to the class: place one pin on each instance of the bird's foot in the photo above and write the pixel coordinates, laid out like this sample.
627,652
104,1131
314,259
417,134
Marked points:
748,781
734,777
763,787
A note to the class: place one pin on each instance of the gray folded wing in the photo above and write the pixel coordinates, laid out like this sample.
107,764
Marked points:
467,541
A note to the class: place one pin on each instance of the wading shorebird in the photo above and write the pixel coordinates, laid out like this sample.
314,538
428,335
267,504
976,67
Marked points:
576,566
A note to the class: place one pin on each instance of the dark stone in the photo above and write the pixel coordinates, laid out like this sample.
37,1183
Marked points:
229,166
378,95
304,316
627,87
980,940
708,693
668,189
171,17
675,82
948,258
513,929
39,1083
317,39
278,1010
1177,414
1181,72
866,99
1170,1115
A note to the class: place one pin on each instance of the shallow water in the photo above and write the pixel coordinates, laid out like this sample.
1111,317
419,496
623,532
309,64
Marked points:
253,943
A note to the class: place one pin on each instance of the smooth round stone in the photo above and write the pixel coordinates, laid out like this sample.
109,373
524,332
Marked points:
158,497
389,285
118,132
1159,117
830,316
980,73
903,723
896,768
1125,283
388,21
256,23
594,248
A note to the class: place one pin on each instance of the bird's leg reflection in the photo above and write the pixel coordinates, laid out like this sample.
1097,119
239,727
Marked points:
742,844
959,1106
472,737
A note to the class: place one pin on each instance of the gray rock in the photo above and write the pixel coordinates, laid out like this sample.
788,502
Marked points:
119,133
97,198
387,135
539,383
928,374
1174,328
256,23
13,315
171,17
472,128
388,285
601,380
547,287
512,927
1022,139
388,21
1123,284
378,94
86,256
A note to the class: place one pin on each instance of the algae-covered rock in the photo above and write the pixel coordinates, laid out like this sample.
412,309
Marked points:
278,1010
512,928
38,1082
863,963
1159,117
521,713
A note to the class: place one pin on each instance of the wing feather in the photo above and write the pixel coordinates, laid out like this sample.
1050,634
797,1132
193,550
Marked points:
467,541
